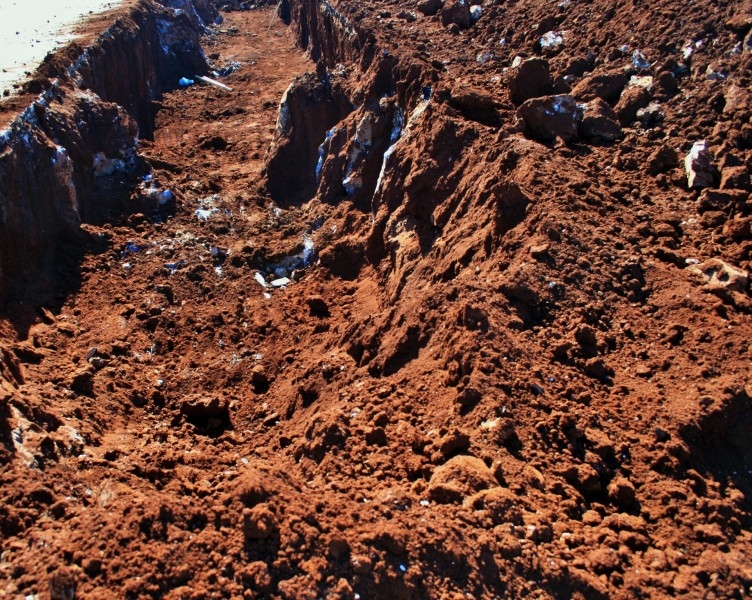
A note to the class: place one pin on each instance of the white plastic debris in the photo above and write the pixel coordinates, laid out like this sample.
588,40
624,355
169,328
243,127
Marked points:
551,39
214,82
203,214
307,251
260,279
717,273
639,60
484,57
323,149
352,183
643,81
281,282
104,166
165,197
699,167
712,75
475,13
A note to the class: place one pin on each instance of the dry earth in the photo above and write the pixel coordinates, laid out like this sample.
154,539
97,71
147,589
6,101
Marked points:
430,310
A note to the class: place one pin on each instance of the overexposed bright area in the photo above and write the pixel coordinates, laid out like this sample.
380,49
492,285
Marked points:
29,29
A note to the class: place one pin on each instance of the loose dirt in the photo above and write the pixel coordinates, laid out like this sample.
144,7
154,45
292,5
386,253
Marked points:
489,365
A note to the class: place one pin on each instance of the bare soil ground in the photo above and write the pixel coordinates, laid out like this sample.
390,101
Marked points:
520,368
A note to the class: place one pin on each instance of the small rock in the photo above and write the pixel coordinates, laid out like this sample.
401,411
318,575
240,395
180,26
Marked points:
533,477
429,7
699,166
650,115
551,42
376,436
259,376
203,406
607,86
456,12
63,584
82,380
736,99
599,121
738,228
259,522
639,60
531,79
458,478
539,251
361,564
622,492
735,178
740,23
407,16
551,117
720,200
631,100
662,159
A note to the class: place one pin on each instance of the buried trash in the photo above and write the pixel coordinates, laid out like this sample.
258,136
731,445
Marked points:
639,60
203,214
551,39
214,82
281,282
130,248
287,270
174,266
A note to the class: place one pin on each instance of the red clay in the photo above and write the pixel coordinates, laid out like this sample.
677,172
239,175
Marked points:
517,367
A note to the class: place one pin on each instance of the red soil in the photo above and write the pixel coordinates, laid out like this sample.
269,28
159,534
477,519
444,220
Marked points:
502,377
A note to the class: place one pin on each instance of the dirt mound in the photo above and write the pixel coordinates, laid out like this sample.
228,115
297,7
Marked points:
430,300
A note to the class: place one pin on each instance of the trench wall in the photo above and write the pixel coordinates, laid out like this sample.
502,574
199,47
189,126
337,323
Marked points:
97,101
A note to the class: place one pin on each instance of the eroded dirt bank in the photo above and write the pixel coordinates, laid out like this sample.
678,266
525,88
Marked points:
432,311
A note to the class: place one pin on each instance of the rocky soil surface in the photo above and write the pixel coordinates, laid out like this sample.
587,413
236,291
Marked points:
430,300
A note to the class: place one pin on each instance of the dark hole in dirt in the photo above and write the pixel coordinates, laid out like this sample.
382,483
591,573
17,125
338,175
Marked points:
722,446
310,107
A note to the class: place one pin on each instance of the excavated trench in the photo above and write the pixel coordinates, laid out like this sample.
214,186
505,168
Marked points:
71,157
400,344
